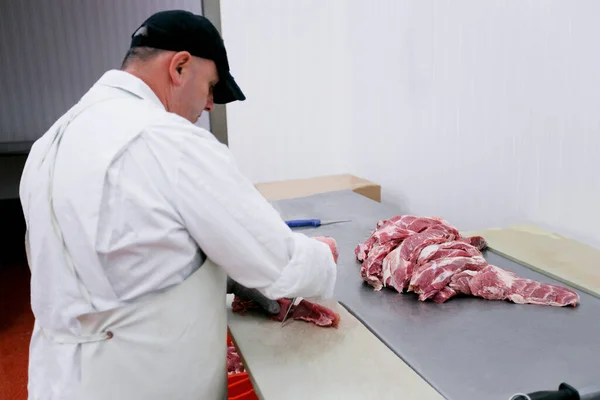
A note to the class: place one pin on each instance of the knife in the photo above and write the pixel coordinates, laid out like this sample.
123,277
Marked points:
299,223
288,311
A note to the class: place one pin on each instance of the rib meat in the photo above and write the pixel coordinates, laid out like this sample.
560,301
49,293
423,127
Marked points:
371,270
494,283
428,256
398,265
434,276
394,228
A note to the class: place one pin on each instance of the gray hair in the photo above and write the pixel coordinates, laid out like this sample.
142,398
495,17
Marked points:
139,54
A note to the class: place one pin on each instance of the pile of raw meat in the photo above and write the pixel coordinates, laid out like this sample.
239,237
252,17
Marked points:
234,361
428,256
305,311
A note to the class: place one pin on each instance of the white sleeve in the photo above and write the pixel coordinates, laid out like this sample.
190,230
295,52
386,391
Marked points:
238,229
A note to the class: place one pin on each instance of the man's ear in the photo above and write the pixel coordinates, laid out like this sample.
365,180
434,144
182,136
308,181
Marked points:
179,66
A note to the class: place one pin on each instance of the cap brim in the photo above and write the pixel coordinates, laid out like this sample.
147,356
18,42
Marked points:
227,90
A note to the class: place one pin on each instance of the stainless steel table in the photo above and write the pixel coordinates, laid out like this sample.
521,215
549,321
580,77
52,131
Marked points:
467,348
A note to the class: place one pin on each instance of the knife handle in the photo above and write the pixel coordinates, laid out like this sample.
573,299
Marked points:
298,223
564,392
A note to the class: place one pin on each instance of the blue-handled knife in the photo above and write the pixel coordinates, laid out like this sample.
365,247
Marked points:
299,223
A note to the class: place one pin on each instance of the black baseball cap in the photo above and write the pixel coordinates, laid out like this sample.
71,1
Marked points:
180,30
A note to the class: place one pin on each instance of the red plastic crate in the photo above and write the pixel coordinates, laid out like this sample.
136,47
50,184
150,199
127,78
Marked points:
239,386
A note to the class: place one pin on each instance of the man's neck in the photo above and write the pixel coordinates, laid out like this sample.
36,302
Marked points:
148,77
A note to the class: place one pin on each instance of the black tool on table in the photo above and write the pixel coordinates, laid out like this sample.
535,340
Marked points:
564,392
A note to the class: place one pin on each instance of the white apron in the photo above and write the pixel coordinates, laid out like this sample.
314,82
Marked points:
171,345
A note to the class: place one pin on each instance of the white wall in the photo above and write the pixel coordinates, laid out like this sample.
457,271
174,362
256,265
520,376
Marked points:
61,48
489,115
483,112
286,56
51,53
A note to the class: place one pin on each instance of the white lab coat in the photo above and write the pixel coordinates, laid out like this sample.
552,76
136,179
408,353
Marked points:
143,199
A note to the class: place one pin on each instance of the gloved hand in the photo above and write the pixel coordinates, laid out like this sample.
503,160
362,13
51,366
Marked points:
332,245
270,306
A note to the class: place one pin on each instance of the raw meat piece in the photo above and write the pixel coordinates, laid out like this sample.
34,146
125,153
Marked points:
446,251
432,277
284,304
494,283
476,241
428,256
444,294
399,264
362,249
419,224
305,310
234,361
391,232
412,223
408,225
460,281
401,222
371,267
454,248
393,266
391,220
315,313
242,306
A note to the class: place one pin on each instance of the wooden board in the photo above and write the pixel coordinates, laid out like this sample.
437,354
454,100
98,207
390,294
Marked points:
303,361
290,189
564,259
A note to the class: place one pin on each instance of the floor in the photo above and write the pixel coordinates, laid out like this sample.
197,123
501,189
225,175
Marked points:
16,319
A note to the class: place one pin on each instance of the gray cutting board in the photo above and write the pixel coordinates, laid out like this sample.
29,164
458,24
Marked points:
467,348
303,361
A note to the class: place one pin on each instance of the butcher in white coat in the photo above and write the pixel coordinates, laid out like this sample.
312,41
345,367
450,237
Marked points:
136,219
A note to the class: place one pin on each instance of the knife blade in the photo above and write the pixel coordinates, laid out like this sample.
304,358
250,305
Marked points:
300,223
288,311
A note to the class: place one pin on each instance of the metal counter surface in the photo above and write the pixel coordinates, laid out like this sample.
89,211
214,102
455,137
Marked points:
467,348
